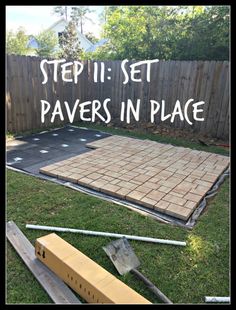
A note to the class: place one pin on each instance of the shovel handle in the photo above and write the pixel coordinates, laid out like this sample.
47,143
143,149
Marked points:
152,287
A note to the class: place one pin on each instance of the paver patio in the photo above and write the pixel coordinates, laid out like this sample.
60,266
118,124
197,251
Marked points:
169,179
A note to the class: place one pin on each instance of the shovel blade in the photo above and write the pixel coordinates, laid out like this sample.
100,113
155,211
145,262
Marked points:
122,255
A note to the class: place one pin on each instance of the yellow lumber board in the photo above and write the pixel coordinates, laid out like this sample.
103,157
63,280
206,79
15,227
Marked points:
82,274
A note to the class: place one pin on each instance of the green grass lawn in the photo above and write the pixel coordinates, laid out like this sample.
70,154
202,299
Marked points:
184,274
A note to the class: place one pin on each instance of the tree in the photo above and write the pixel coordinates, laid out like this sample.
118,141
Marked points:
206,34
106,12
69,43
78,15
16,43
166,32
47,41
61,11
105,52
91,37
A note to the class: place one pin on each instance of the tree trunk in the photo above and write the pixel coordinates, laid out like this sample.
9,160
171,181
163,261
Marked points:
66,12
81,26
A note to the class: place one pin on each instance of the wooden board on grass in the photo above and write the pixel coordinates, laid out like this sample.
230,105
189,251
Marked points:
58,291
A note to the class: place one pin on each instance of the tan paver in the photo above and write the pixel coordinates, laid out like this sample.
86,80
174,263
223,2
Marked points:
178,211
184,187
164,189
121,193
142,178
175,199
143,189
98,184
190,204
200,190
168,179
111,189
161,206
148,202
128,185
193,197
135,196
85,181
51,172
155,195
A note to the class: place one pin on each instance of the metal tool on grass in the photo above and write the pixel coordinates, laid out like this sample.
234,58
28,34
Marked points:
123,257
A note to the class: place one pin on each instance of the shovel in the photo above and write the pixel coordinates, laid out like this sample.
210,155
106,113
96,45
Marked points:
123,257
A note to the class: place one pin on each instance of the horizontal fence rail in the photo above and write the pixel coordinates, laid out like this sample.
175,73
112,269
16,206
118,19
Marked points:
206,81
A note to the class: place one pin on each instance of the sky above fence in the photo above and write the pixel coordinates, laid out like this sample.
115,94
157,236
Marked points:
37,18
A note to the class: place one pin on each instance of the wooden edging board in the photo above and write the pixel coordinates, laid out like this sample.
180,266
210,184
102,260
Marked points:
58,291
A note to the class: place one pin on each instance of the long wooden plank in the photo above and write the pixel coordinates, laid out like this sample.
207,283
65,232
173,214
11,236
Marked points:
219,92
107,88
213,102
17,69
168,86
55,287
158,91
9,103
173,90
25,95
30,94
190,71
227,124
13,91
180,90
190,95
206,95
144,97
199,91
225,104
23,88
38,92
119,90
114,86
186,81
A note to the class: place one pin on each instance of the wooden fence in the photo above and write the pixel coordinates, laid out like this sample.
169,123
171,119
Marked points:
206,81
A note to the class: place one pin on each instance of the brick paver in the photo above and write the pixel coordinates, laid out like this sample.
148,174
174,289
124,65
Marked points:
168,179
